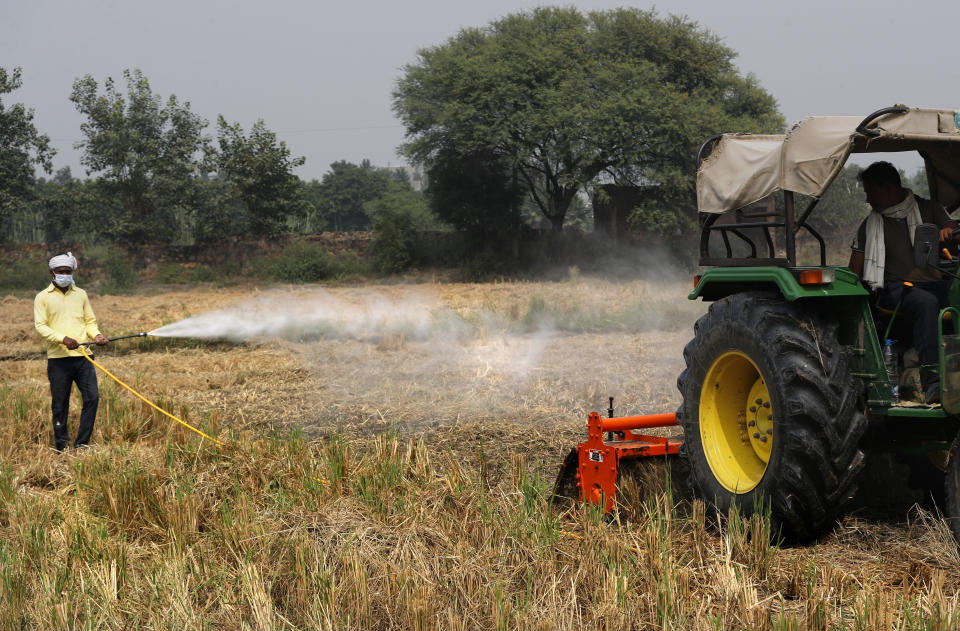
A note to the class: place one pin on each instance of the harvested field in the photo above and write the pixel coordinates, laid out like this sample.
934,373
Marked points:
437,415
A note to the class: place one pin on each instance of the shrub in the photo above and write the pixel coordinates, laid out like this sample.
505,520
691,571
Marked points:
398,217
181,274
171,273
118,274
204,274
299,262
485,265
21,275
392,249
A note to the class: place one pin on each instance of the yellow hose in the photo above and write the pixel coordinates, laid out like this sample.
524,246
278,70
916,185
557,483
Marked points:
145,400
159,409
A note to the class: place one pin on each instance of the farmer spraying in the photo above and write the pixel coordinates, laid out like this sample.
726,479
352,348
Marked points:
64,318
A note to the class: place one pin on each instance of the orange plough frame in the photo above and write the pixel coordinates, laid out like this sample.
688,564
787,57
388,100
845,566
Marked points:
598,461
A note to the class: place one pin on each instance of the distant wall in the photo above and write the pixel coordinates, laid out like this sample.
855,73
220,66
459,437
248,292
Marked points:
228,250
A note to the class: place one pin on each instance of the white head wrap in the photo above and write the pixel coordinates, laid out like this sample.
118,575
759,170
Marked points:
64,260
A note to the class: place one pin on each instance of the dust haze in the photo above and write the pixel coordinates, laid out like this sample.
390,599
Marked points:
405,356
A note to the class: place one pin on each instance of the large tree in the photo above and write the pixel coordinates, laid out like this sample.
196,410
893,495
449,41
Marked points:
146,152
475,191
347,187
261,171
22,148
569,99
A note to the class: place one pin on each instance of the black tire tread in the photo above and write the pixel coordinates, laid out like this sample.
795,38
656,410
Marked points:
951,486
818,418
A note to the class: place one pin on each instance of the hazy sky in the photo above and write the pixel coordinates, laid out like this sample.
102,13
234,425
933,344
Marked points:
320,73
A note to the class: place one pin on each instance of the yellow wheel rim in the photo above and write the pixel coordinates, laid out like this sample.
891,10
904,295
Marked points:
736,422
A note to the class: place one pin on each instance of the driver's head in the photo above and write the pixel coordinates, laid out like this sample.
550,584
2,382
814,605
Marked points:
881,183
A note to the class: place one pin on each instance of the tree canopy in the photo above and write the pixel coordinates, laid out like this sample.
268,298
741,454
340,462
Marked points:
146,152
476,191
261,171
22,147
347,187
568,99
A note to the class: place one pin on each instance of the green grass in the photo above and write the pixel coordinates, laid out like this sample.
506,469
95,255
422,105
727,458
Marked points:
23,276
118,274
184,274
304,262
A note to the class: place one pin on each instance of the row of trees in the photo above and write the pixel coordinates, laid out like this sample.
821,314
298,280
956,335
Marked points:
532,114
156,176
63,208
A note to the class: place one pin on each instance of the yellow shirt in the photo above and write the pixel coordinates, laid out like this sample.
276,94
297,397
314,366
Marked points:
58,314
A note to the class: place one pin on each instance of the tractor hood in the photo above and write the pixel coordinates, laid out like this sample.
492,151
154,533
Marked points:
742,168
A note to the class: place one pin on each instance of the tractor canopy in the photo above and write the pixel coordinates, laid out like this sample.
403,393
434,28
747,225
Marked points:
742,169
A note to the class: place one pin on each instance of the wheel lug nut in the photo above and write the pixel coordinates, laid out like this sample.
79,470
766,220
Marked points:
766,404
753,408
769,417
756,434
770,431
759,401
752,423
763,439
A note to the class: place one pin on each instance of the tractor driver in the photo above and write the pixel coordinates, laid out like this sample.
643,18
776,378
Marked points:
883,259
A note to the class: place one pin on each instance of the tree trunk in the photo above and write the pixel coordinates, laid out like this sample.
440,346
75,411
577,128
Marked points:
515,212
557,222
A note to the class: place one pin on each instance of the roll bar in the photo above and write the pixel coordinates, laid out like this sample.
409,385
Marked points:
862,127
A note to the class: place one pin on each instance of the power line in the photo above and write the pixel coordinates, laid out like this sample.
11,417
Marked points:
285,131
321,129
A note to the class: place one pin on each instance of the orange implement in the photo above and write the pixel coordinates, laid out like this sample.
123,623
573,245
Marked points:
597,462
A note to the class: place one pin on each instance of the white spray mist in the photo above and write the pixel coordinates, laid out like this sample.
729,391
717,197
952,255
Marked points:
309,315
445,336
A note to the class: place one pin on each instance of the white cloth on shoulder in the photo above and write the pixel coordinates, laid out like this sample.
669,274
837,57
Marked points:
64,260
875,251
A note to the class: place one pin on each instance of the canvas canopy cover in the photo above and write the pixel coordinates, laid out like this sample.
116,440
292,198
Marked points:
743,168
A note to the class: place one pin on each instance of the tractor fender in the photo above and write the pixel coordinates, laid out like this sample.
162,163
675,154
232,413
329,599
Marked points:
719,282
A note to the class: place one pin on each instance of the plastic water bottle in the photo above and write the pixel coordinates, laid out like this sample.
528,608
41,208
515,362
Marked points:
890,361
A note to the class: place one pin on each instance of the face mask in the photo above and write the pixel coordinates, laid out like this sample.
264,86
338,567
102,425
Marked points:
63,280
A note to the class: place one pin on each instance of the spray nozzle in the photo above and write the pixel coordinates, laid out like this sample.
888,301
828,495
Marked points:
114,339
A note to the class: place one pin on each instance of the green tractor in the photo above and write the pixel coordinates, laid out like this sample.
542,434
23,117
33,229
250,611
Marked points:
785,391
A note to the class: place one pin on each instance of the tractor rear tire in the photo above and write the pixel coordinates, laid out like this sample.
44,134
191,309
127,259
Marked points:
770,414
951,488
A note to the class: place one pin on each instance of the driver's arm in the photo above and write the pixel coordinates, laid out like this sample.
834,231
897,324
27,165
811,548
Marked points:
946,223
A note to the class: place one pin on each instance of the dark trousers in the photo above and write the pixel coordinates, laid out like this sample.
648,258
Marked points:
63,372
921,303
